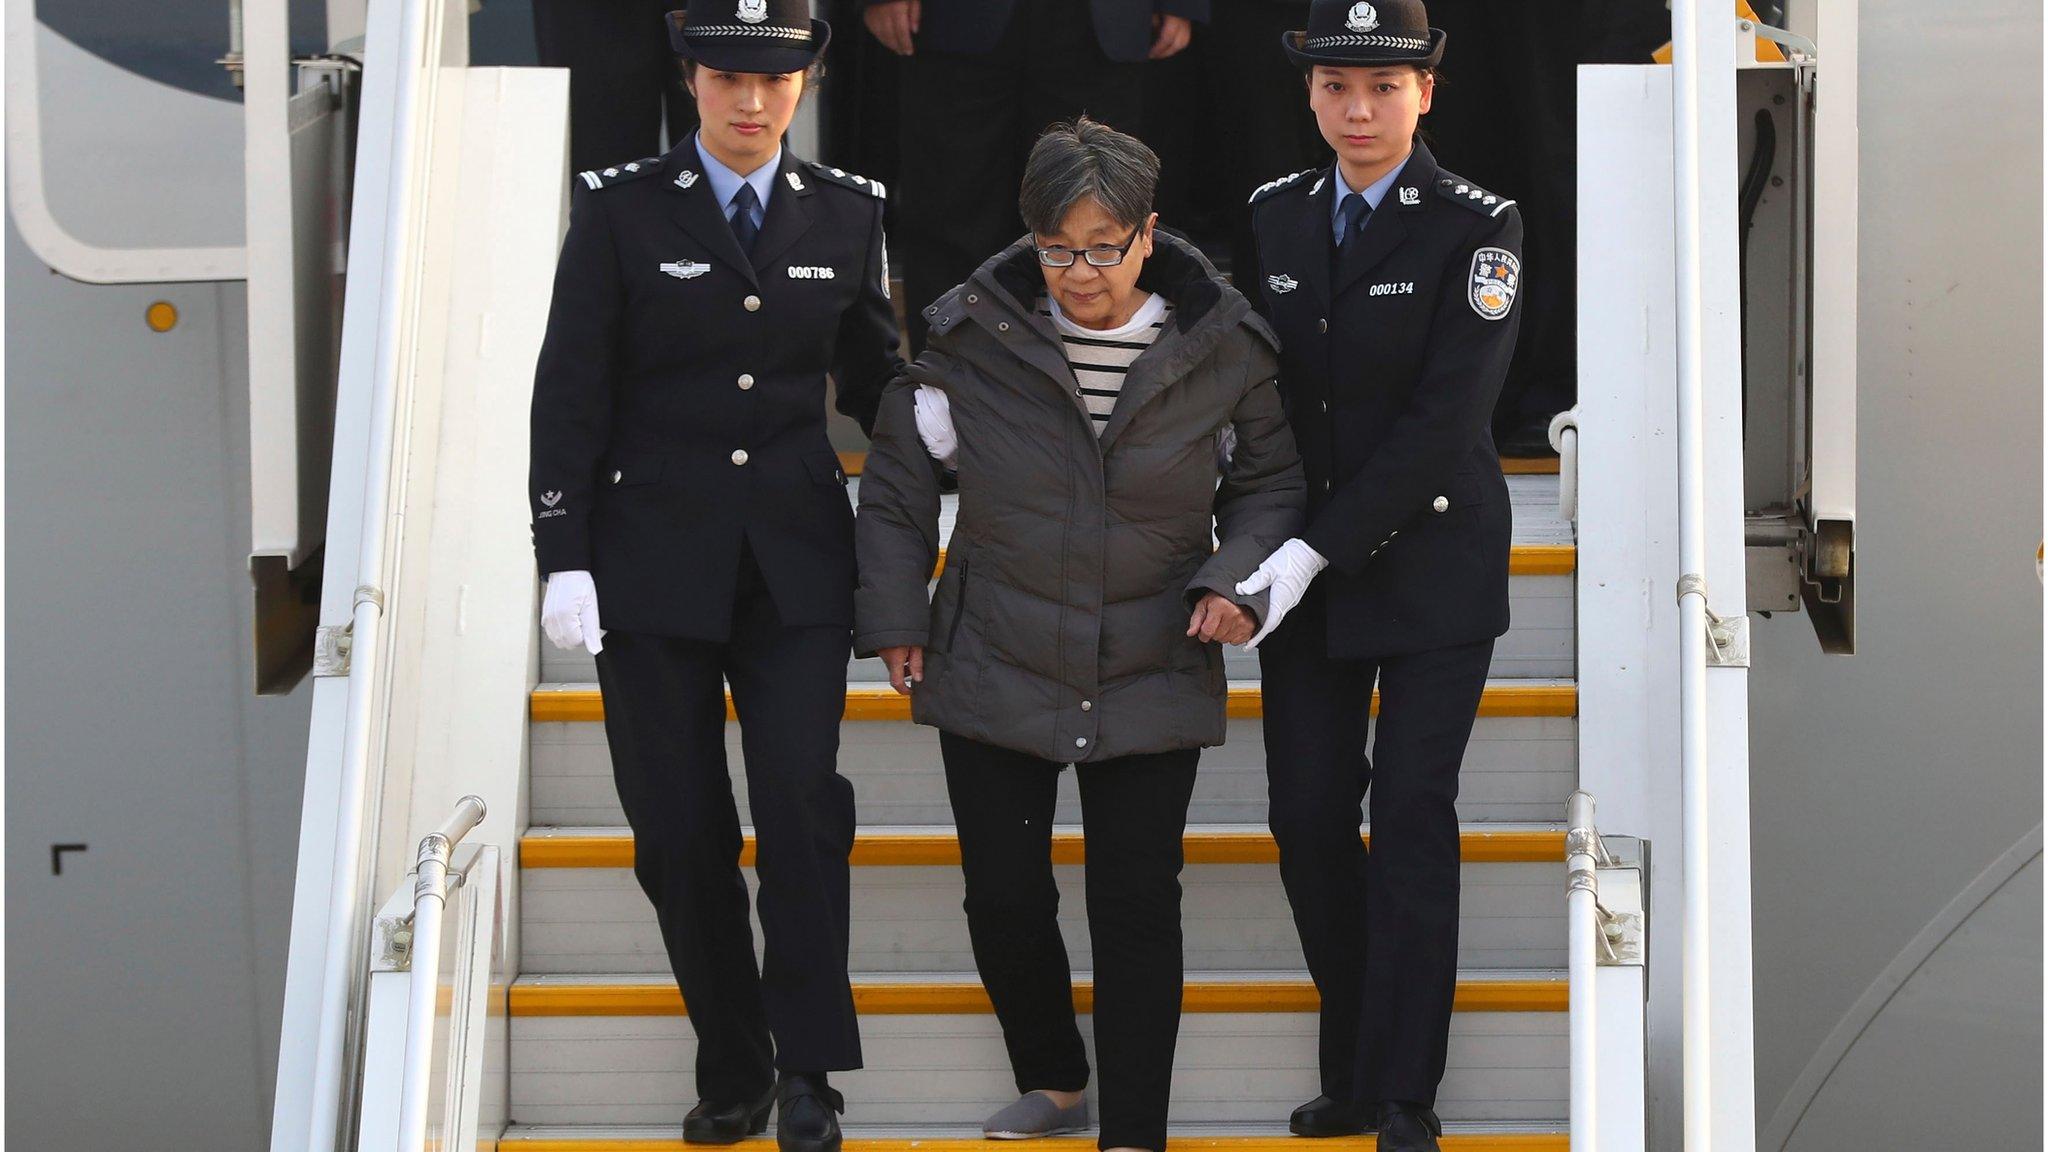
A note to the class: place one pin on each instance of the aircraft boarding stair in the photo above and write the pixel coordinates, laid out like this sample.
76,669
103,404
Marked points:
601,1053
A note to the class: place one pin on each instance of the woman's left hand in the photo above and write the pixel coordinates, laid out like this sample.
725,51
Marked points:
1217,619
1170,34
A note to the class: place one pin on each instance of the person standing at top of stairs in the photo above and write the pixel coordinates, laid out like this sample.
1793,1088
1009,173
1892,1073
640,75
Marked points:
1392,284
681,475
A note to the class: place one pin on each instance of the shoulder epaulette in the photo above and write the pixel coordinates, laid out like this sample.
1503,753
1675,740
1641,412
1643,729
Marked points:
1272,186
1459,190
598,178
845,179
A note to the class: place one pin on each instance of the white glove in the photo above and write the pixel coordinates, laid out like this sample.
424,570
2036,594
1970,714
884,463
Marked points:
568,612
935,425
1288,572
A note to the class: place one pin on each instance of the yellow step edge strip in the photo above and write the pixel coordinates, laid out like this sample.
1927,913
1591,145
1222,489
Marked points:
879,702
928,998
1451,1142
852,463
925,849
1523,560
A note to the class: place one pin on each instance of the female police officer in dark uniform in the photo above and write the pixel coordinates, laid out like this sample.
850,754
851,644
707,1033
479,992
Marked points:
693,524
1392,284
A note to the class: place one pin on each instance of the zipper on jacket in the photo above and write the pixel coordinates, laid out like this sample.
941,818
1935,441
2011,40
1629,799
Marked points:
959,608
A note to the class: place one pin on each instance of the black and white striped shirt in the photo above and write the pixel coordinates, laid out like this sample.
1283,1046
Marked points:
1101,358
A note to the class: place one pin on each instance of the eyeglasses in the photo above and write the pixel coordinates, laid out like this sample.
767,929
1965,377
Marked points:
1101,255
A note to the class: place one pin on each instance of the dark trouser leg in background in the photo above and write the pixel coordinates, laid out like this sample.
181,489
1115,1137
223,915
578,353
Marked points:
1135,811
1428,702
789,690
622,75
1002,811
1317,774
664,717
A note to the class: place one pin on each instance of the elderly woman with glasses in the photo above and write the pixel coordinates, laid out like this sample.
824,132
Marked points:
1105,404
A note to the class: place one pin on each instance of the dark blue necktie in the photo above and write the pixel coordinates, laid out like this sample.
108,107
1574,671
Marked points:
744,202
1354,210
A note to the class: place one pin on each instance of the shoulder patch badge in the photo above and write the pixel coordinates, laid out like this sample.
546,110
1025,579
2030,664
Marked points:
606,177
845,179
1496,275
1272,186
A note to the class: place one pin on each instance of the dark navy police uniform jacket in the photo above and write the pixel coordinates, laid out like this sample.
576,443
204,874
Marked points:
679,401
1391,358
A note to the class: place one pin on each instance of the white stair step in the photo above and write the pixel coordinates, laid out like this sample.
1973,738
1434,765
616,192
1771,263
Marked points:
583,912
1459,1136
1249,1064
1518,768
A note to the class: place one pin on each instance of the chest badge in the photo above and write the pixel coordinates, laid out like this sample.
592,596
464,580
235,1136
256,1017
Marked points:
1362,18
1410,197
686,269
809,272
1282,283
1496,275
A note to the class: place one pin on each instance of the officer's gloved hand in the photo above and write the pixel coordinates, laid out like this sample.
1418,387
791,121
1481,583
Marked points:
1288,572
568,612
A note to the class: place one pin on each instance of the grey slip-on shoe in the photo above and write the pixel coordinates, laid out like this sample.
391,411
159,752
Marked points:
1034,1115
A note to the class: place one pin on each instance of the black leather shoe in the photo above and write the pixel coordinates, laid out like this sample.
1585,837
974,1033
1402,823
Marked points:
710,1123
1529,440
806,1114
1408,1127
1323,1116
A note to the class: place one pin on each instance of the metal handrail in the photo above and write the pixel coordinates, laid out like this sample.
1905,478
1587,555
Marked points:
1564,440
1584,854
430,898
1689,22
399,76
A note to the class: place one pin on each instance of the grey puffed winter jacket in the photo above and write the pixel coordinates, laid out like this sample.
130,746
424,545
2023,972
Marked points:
1059,627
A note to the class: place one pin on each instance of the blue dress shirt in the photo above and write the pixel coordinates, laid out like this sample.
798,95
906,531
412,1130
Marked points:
725,183
1373,193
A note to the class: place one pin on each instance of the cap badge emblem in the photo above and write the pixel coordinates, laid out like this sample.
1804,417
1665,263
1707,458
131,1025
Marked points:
753,11
1362,18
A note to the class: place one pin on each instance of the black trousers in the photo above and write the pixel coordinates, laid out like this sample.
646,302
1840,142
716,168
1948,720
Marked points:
665,721
968,122
1380,930
622,77
1134,810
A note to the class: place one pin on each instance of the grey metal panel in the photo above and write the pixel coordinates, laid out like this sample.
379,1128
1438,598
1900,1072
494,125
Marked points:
1247,1068
1516,769
1235,916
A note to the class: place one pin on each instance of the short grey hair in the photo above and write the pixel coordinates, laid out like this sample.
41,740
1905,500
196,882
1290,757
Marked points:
1082,159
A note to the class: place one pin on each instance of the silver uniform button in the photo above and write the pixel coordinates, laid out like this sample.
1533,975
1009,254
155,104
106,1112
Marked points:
1080,741
746,381
1441,504
1323,325
739,456
618,476
1087,705
752,303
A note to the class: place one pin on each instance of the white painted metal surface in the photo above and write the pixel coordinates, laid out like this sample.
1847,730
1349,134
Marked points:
27,188
430,900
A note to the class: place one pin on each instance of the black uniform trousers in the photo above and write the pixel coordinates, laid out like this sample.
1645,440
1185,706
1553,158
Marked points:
1134,811
623,76
968,123
664,710
1379,929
